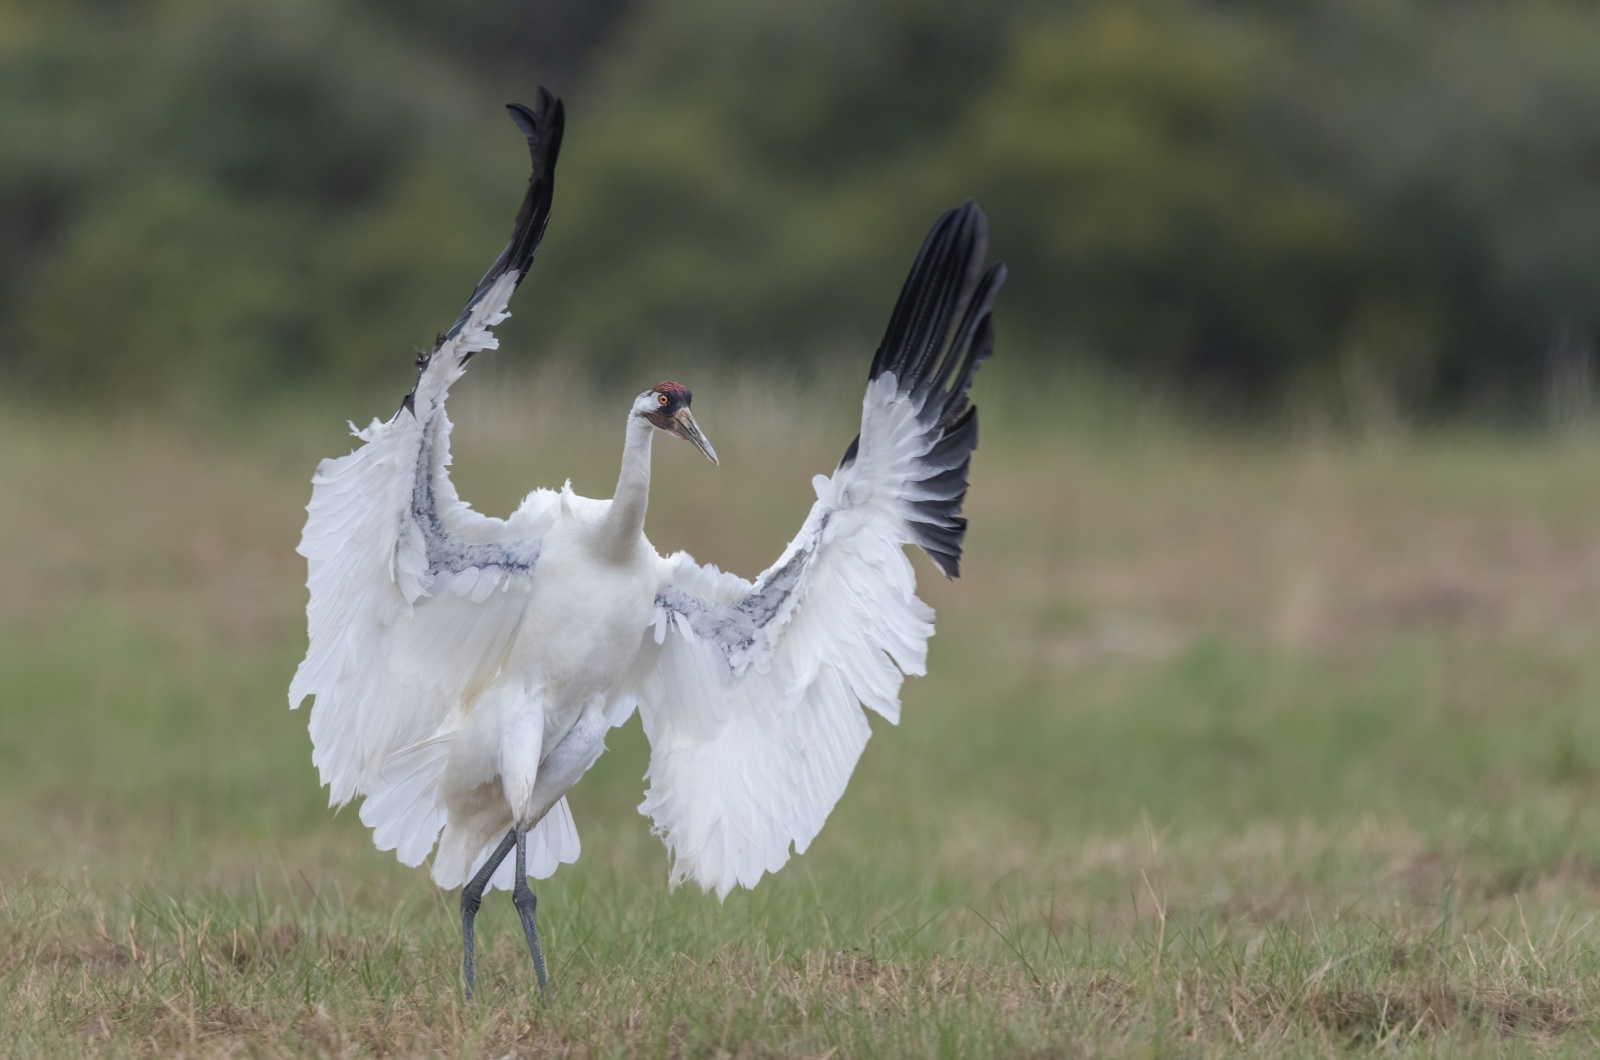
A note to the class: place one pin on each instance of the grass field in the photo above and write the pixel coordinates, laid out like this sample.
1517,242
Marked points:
1288,746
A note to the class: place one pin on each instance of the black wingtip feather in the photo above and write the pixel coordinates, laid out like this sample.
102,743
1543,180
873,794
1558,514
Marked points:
933,363
542,125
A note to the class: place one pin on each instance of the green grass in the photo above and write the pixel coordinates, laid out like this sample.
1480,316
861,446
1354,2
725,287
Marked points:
1225,745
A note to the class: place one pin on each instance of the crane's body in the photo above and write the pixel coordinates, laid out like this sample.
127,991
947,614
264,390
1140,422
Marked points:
592,593
466,669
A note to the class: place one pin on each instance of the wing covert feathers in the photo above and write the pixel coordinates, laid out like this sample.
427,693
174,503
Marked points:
753,704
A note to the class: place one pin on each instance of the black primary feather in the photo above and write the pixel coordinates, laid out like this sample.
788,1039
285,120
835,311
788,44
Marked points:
942,328
542,125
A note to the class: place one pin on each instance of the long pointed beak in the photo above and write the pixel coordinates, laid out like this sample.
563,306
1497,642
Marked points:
688,428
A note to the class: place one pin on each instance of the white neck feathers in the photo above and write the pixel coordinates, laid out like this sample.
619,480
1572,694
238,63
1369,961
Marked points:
624,523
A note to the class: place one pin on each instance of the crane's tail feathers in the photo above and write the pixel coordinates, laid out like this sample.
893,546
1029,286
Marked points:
542,125
466,844
941,330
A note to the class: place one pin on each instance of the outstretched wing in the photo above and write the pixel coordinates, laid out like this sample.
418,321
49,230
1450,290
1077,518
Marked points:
414,596
753,702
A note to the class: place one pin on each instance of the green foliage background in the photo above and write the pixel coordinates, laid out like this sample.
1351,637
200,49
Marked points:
1250,203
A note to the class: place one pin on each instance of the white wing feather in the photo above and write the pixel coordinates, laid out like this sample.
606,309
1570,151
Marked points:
753,699
414,596
751,749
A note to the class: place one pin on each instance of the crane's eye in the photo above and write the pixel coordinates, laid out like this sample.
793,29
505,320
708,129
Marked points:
661,399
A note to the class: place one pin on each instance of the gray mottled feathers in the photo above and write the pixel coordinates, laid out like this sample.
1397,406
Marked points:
737,628
449,551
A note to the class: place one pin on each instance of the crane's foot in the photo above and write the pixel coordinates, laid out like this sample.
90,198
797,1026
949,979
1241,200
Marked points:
472,897
522,897
526,903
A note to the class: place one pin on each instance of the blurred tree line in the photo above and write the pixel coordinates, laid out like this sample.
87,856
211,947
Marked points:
1251,202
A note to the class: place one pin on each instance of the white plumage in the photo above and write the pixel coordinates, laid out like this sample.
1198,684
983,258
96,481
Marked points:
465,669
750,751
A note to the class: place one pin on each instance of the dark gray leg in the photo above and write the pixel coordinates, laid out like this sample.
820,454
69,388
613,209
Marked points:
525,902
472,896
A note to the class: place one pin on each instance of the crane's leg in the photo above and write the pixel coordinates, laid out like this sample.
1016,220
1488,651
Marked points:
472,896
525,902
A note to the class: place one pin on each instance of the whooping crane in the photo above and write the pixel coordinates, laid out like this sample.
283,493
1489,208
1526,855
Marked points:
466,668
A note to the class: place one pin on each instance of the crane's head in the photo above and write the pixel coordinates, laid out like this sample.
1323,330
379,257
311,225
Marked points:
666,405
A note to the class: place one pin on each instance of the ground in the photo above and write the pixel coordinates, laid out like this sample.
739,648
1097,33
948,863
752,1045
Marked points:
1286,744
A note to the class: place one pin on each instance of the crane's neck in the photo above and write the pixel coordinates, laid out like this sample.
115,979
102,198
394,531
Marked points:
624,523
